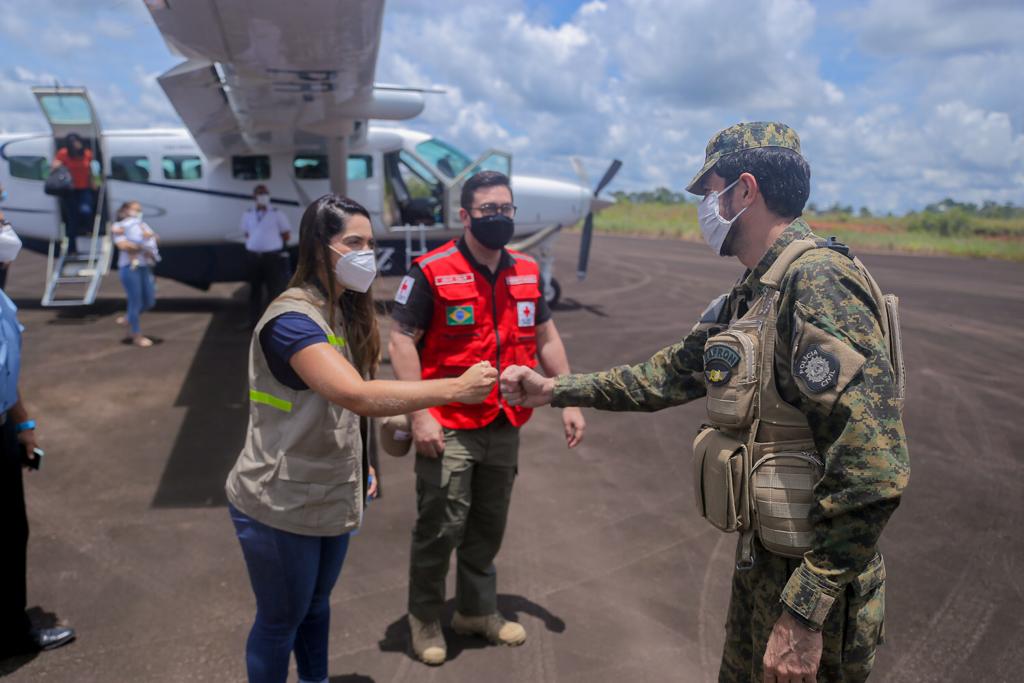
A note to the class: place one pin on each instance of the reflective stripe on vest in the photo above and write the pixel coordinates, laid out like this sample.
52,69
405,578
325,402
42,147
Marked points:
272,401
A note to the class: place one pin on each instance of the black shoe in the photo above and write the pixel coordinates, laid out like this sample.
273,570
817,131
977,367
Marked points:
52,638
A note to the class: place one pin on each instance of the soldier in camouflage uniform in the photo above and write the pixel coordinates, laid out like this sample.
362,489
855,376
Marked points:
790,619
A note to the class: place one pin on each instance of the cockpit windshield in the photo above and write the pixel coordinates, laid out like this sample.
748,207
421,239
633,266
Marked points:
442,156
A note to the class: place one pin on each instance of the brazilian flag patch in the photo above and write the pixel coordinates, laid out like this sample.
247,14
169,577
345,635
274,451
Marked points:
460,315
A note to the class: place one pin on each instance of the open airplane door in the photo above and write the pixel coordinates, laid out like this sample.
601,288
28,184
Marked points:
491,160
69,110
77,276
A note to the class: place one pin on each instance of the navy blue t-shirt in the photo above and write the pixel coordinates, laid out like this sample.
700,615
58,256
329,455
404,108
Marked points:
282,338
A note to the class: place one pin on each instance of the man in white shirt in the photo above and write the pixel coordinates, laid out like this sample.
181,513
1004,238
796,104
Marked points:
266,233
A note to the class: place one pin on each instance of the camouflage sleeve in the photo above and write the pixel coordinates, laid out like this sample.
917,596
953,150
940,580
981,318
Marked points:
671,377
836,369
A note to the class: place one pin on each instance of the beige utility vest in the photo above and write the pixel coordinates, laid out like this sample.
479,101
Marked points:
755,466
301,467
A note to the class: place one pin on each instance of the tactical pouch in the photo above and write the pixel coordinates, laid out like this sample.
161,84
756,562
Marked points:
719,473
731,375
892,314
782,480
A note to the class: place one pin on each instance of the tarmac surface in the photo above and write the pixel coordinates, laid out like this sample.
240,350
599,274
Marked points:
605,562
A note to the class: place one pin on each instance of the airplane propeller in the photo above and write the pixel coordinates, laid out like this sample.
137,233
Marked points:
588,222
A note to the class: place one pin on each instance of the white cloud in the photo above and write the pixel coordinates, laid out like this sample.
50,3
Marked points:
111,28
64,41
938,27
647,81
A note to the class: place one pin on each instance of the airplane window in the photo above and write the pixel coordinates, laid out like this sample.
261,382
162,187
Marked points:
443,156
255,167
314,167
417,178
29,168
66,110
131,169
183,167
311,167
360,166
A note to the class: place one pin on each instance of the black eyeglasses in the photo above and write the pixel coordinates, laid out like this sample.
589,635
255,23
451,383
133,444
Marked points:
491,209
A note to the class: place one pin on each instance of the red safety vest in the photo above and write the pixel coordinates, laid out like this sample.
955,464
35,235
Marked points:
475,321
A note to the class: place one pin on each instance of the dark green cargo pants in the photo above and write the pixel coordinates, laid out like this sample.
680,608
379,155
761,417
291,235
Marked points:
850,635
462,502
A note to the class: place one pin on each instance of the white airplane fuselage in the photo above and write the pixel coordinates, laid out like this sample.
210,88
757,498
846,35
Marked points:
195,203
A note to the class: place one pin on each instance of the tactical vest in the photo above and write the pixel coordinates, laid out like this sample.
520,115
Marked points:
475,321
301,467
755,465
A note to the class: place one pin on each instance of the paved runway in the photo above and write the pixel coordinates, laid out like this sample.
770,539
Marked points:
605,561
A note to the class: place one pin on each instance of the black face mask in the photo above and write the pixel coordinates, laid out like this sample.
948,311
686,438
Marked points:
493,232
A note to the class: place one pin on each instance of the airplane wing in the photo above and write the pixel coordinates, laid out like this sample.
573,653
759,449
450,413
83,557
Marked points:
266,75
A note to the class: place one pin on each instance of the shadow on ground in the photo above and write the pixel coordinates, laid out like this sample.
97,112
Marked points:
40,618
397,638
216,398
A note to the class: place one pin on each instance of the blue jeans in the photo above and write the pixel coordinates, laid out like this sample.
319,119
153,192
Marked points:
292,576
140,288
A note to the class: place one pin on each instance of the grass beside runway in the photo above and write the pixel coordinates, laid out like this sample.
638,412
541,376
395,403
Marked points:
977,238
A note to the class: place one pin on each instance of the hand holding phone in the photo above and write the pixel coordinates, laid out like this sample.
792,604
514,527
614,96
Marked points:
33,459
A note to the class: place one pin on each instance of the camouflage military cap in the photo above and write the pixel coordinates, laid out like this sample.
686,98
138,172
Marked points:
744,136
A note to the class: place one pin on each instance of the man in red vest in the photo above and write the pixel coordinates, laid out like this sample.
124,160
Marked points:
470,300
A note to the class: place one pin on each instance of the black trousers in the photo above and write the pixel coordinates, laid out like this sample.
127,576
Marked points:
14,623
269,271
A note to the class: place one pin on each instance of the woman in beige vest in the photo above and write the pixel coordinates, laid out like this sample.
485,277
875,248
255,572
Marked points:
298,487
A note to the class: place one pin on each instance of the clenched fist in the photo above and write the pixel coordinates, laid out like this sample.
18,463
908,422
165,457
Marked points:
521,386
476,383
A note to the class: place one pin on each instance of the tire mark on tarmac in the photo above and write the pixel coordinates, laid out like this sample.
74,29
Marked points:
706,670
953,632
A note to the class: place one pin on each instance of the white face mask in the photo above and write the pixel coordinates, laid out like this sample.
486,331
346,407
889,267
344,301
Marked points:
10,243
263,200
356,269
715,228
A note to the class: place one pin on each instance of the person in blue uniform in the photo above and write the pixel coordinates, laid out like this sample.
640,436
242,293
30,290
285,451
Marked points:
17,437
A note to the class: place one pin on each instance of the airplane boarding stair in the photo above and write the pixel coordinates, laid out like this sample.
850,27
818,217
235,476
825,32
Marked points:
73,279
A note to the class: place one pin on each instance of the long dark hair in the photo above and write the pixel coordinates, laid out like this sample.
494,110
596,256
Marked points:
322,221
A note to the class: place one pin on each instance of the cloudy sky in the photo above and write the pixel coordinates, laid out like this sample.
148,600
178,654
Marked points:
898,103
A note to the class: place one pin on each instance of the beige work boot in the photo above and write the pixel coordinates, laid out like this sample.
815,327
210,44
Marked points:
493,627
427,641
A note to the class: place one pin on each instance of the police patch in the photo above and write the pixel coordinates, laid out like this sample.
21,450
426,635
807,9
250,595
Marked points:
818,369
719,360
459,315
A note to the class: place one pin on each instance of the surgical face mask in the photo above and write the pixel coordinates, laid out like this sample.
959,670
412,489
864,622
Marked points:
715,228
10,243
3,195
494,232
263,200
356,269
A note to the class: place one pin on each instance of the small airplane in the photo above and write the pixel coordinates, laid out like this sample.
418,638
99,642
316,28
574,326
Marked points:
277,94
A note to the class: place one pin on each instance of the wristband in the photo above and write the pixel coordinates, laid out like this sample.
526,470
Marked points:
25,426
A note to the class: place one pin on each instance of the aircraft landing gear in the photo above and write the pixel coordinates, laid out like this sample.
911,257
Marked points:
552,293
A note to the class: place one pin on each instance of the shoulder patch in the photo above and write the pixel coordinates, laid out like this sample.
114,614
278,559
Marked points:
719,360
818,368
404,290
